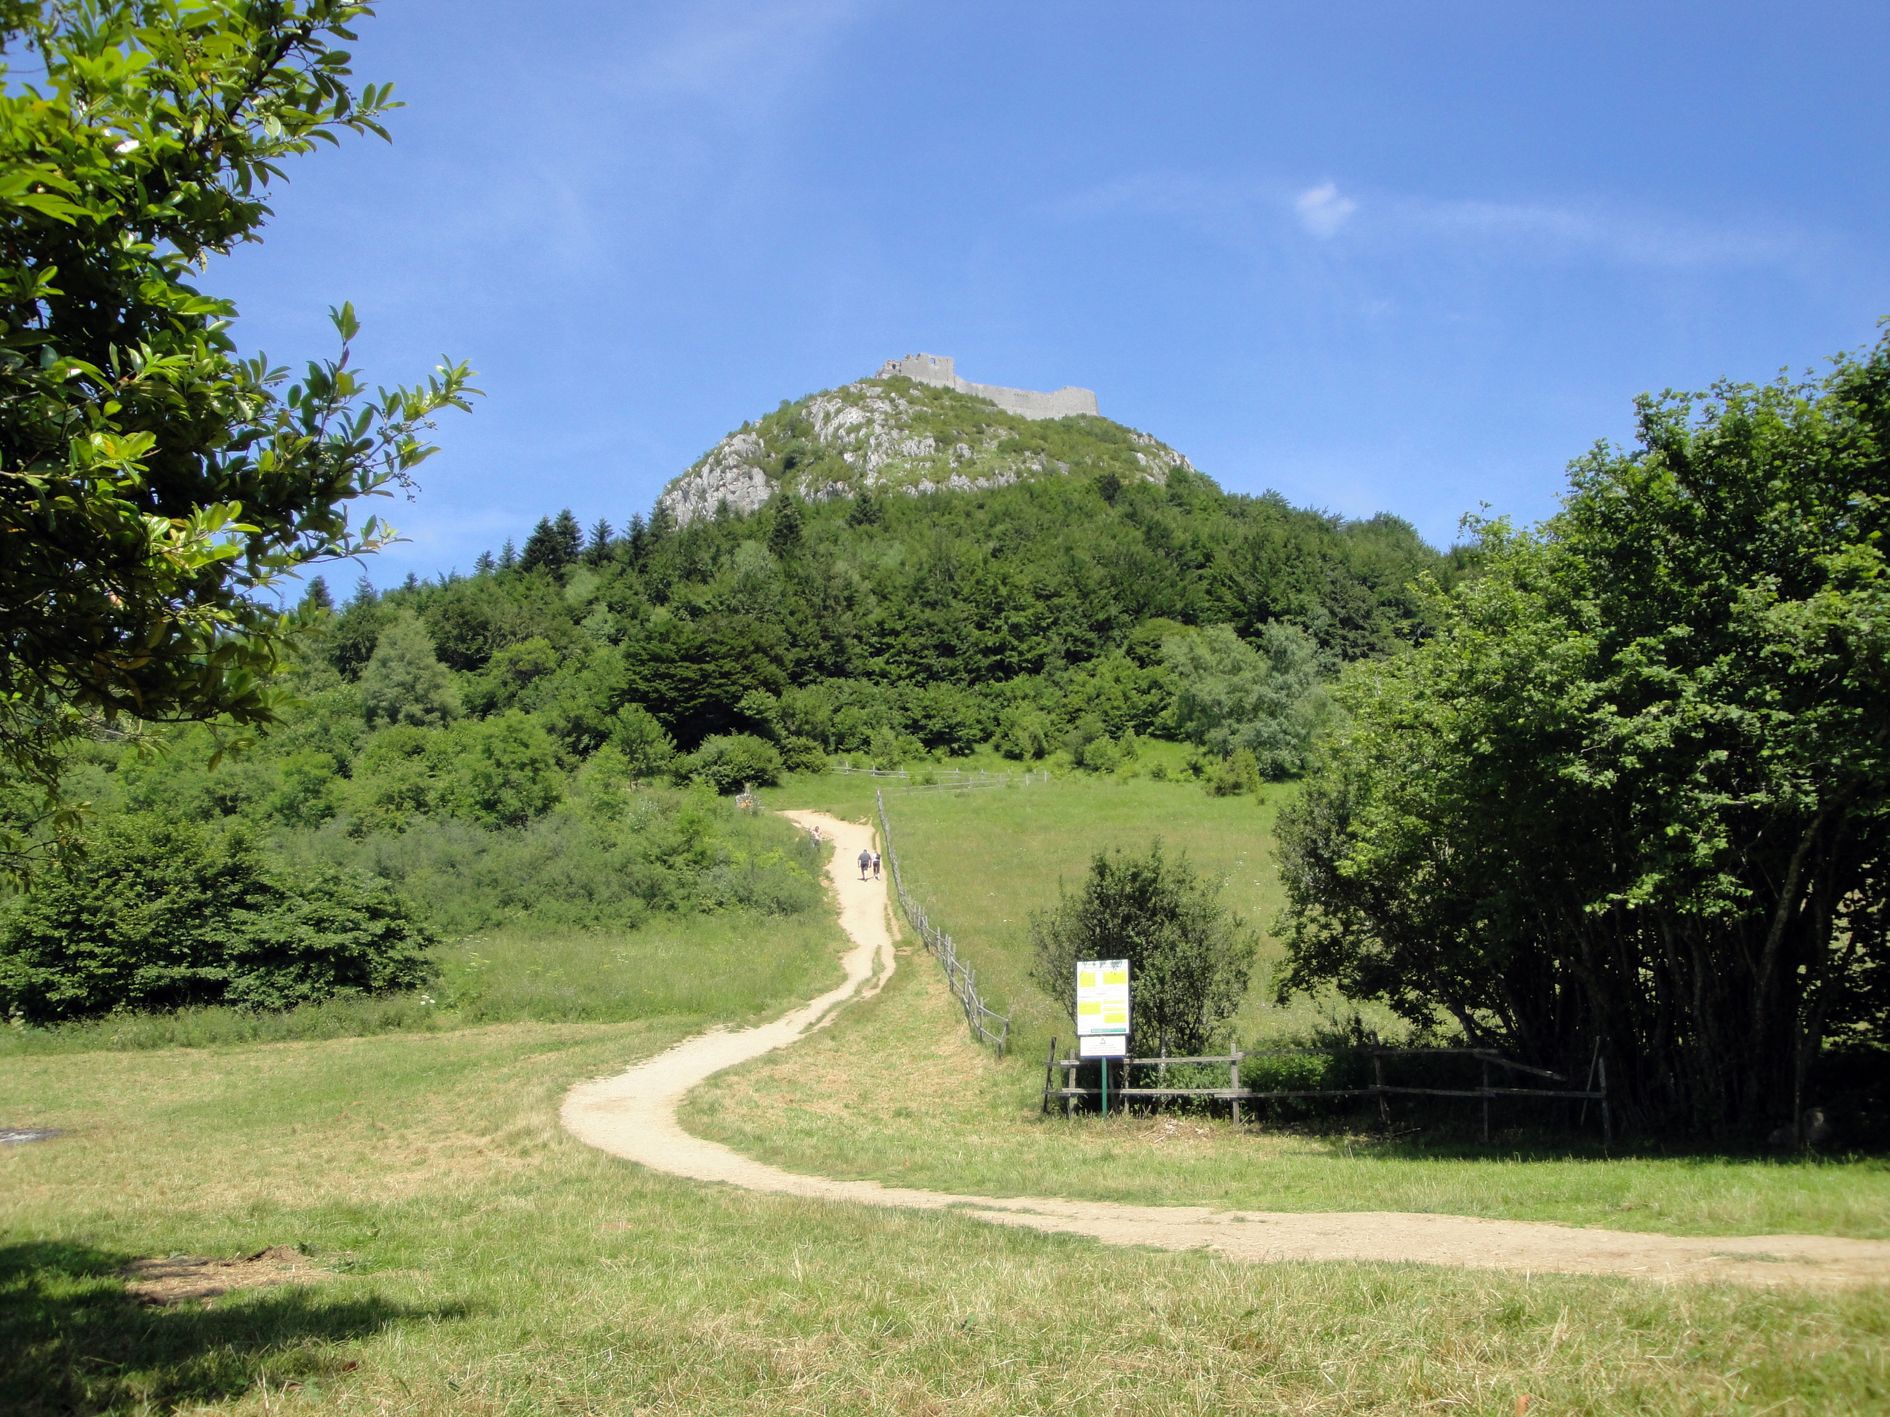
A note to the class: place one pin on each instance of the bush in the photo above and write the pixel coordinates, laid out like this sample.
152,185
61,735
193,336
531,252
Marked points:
803,755
1098,755
608,859
730,761
162,915
1024,732
1238,772
1189,956
644,743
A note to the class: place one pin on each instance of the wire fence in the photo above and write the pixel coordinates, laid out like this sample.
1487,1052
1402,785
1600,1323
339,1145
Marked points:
944,779
962,978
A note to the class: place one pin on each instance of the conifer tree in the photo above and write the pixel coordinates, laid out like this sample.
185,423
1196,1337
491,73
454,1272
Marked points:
316,599
356,631
555,543
597,549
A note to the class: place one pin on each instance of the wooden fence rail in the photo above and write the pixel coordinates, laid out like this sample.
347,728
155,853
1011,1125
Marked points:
1235,1094
960,976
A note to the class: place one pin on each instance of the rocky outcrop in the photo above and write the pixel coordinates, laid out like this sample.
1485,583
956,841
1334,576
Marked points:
884,436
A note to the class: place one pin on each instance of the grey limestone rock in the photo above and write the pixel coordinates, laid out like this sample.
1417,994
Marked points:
868,429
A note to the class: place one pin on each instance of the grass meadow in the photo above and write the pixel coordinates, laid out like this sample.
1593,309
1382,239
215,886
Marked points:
982,860
480,1261
476,1259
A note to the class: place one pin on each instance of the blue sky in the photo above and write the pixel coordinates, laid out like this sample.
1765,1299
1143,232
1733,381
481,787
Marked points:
1407,257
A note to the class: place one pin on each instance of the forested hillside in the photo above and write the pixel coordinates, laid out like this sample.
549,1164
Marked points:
478,742
923,615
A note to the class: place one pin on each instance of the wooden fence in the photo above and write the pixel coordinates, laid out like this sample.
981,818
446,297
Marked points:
946,779
962,978
1235,1094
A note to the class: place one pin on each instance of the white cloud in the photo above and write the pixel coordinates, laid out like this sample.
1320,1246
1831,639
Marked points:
1322,211
744,55
1245,212
1626,237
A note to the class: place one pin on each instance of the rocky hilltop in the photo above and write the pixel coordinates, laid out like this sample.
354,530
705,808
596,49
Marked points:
914,427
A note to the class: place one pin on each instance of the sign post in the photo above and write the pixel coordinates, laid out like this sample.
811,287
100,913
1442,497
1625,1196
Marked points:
1102,1014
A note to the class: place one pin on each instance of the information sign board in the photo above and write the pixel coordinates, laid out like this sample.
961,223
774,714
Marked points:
1111,1045
1102,997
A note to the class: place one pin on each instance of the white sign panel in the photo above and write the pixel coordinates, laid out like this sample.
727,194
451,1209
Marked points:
1110,1046
1102,997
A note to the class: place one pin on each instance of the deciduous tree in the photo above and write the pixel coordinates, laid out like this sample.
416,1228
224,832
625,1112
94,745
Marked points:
1189,956
1635,787
152,482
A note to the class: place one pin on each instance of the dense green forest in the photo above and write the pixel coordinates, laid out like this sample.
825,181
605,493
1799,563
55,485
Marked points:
925,616
552,738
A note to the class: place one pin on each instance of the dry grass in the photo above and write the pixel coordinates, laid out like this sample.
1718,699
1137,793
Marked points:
513,1271
896,1092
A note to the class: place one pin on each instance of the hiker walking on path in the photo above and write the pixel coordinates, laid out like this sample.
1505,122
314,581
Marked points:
876,865
866,859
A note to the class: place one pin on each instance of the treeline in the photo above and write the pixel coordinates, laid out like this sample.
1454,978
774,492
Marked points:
891,623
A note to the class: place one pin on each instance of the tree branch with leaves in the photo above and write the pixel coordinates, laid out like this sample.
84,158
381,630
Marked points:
155,486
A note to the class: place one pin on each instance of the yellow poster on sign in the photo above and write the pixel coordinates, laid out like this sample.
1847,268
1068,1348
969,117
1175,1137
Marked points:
1102,997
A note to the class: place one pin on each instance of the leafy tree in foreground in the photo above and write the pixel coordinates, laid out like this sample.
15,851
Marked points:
1189,956
1635,788
152,482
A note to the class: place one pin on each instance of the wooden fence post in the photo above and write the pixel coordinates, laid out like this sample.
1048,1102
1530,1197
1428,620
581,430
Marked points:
1607,1119
1486,1103
1378,1080
1589,1085
1233,1081
1048,1064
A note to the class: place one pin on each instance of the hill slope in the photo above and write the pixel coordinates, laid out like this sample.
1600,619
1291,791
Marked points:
895,433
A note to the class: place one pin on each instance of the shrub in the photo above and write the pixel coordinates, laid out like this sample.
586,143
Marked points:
501,772
1024,732
730,761
162,915
803,755
1099,755
607,859
1189,956
1238,772
645,744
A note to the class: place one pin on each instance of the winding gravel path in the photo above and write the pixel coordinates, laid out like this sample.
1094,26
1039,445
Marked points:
633,1115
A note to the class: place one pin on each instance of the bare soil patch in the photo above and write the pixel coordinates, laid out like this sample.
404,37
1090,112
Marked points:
181,1279
633,1115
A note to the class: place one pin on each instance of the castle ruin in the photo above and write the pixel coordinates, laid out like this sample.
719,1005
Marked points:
1031,403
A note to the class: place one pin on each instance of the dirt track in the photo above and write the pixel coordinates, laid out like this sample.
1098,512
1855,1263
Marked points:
633,1115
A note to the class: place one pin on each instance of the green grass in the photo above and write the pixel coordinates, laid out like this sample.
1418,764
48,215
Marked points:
982,860
483,1262
896,1092
691,968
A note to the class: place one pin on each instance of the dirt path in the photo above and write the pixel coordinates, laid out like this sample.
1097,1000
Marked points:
633,1115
